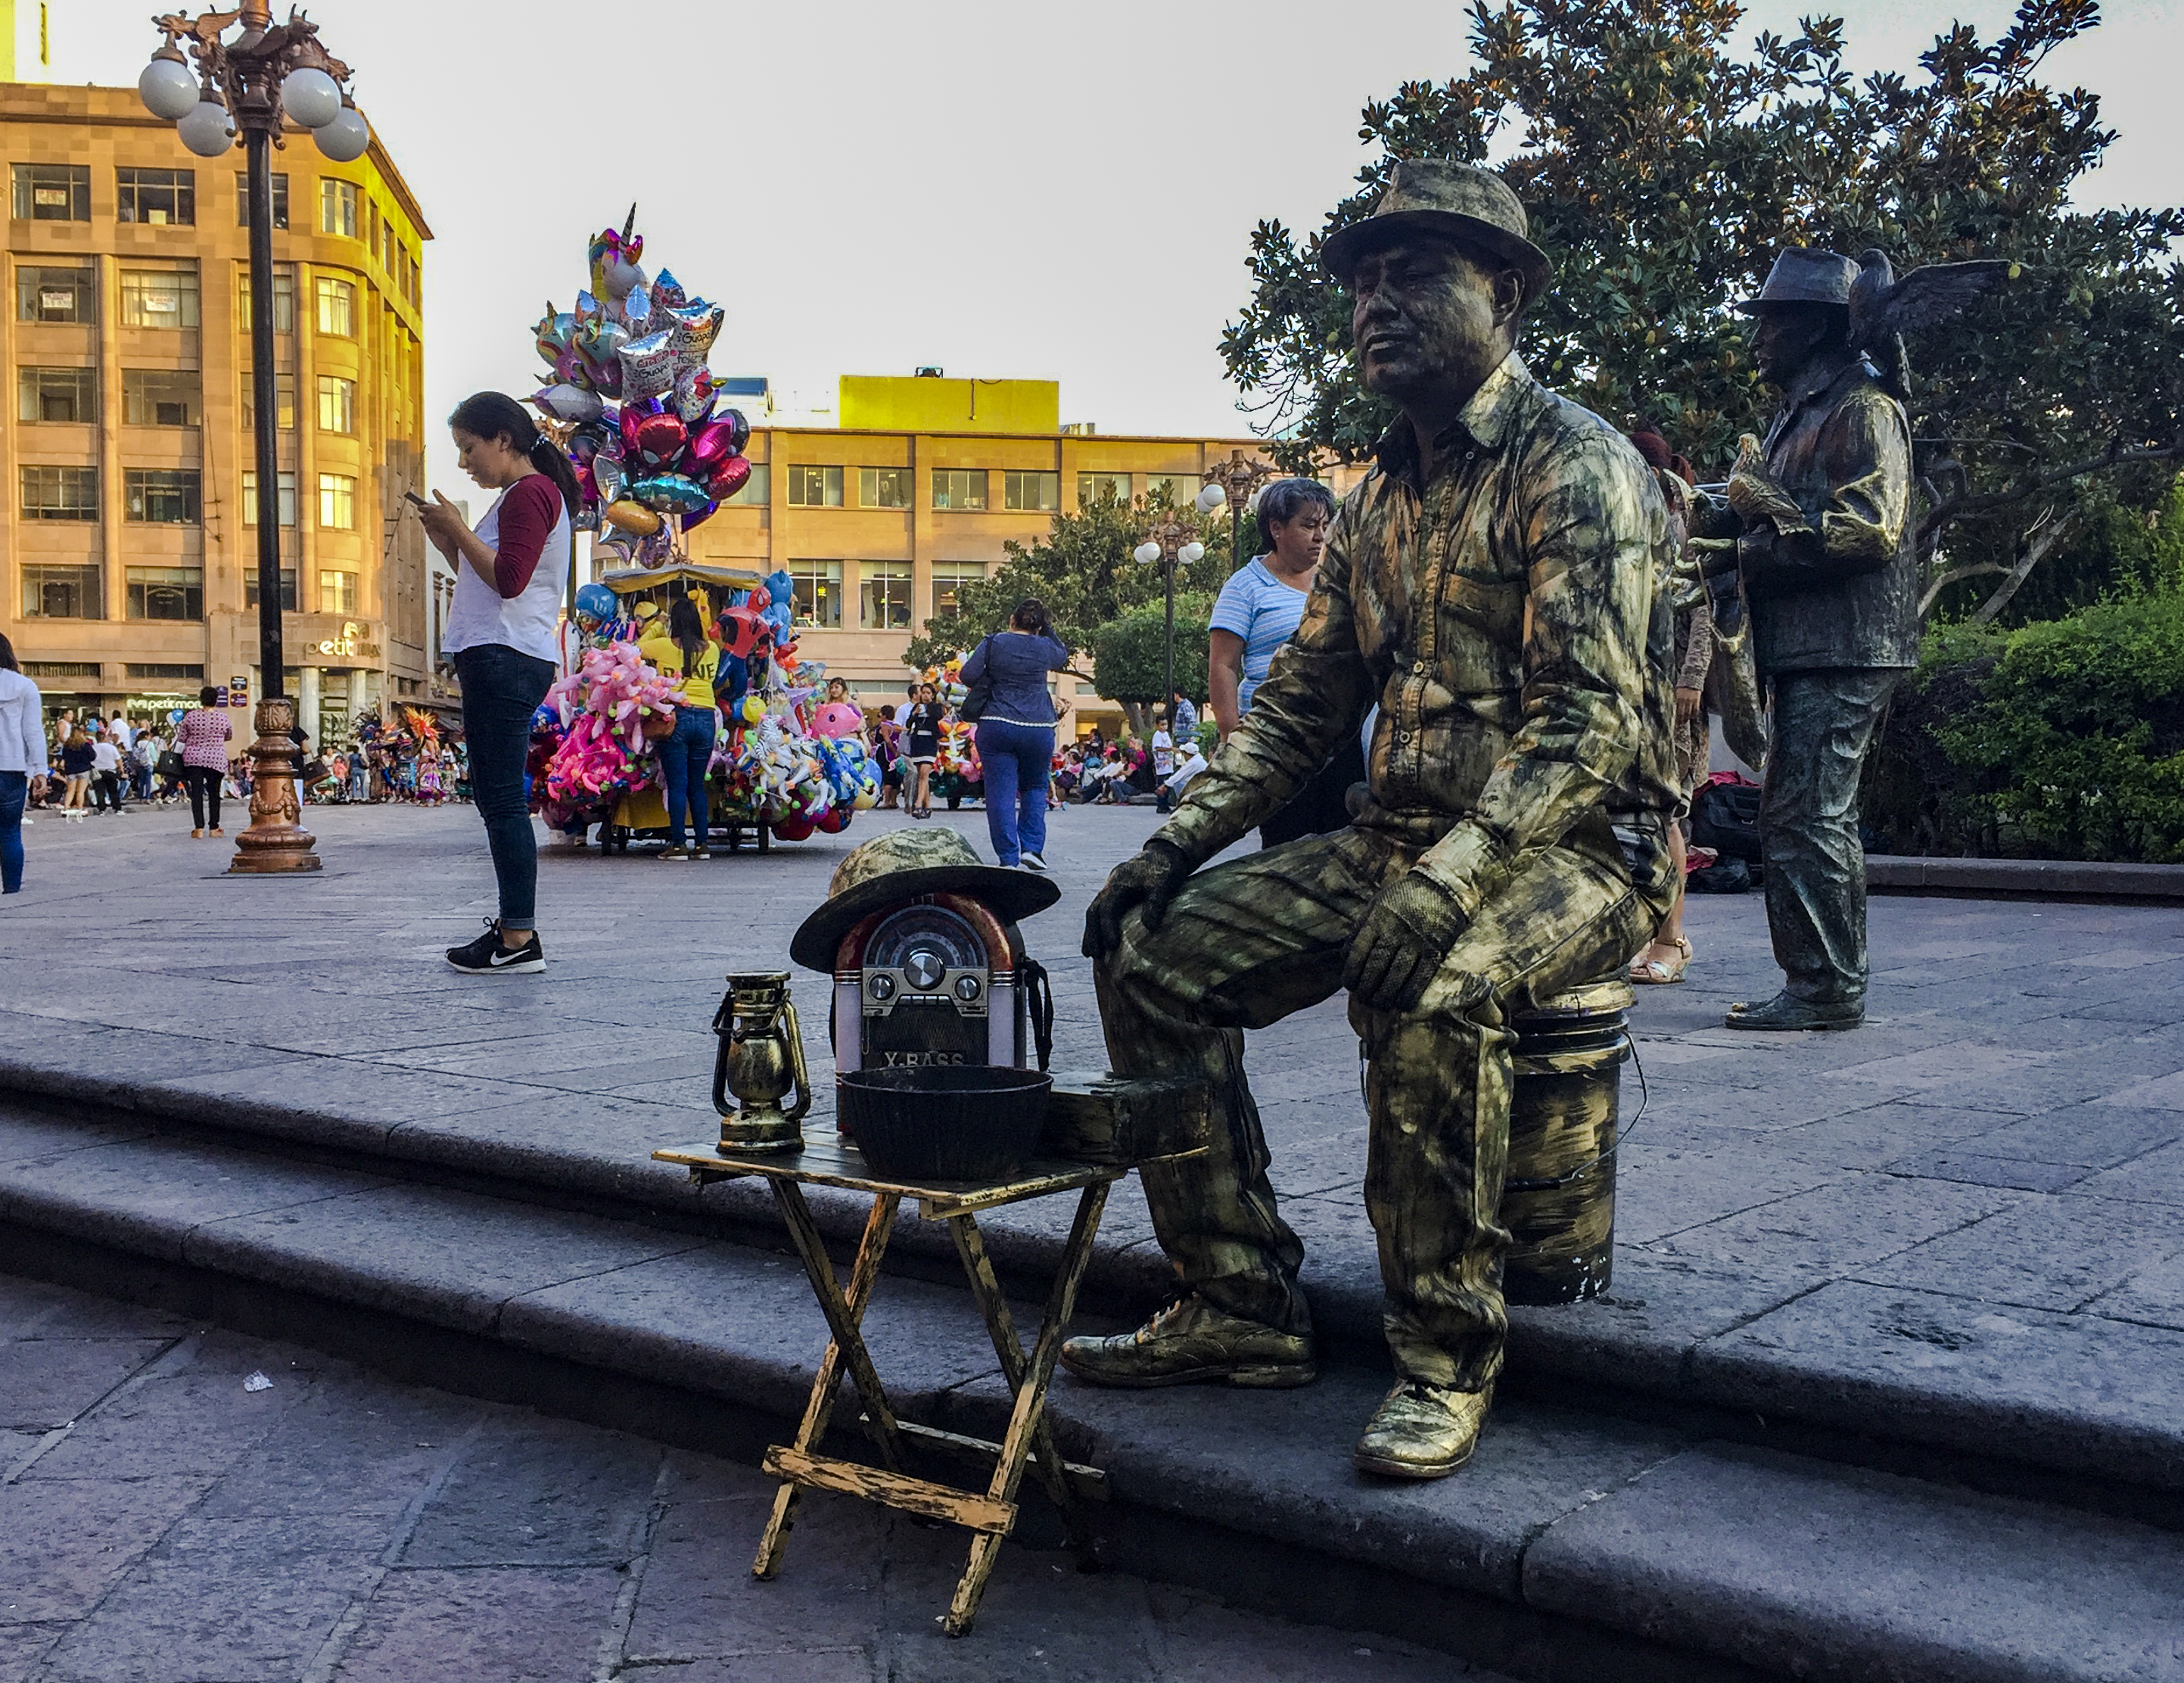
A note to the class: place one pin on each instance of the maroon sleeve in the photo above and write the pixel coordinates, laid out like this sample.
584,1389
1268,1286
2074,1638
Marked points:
532,505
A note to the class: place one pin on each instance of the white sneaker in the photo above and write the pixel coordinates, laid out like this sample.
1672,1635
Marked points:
1031,862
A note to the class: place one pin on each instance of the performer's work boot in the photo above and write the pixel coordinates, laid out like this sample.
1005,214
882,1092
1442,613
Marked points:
1784,1014
1193,1343
1421,1431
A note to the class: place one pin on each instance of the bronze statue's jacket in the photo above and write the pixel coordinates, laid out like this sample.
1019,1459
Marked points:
1500,611
1842,590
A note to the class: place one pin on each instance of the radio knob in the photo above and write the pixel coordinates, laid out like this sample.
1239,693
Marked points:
881,987
924,969
967,988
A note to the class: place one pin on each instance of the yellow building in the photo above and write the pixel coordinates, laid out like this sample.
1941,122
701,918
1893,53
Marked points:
880,520
129,547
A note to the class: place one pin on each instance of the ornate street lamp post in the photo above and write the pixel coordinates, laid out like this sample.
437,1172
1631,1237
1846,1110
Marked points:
249,81
1237,479
1175,540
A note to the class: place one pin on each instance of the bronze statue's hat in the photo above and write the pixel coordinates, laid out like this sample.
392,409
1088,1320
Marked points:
901,866
1805,274
1434,195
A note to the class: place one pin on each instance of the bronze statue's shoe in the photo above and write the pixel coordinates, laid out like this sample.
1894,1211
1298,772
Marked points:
1784,1015
1421,1431
1193,1343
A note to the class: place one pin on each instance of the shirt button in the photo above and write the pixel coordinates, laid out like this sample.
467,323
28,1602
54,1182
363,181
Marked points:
1419,667
1402,737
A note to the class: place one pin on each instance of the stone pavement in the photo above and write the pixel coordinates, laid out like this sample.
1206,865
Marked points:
161,1523
1994,1164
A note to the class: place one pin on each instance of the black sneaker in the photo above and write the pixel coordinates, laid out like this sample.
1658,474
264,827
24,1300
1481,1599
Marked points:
487,956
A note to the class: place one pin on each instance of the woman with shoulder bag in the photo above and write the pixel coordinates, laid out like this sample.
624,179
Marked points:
502,632
203,737
682,653
1015,734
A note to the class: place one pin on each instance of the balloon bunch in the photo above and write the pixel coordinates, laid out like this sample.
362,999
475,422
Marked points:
652,454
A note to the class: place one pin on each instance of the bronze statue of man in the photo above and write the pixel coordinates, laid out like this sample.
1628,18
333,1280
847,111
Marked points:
1492,585
1818,535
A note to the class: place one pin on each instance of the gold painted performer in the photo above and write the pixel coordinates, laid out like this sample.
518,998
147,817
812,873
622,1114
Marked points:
1492,585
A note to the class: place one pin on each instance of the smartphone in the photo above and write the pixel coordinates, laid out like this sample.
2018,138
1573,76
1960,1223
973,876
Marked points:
411,496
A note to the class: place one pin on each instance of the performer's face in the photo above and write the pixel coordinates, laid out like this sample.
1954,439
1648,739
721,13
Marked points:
1427,316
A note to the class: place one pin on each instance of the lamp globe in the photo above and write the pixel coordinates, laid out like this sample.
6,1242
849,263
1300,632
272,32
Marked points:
207,131
311,96
167,87
344,139
1211,498
1147,554
1191,555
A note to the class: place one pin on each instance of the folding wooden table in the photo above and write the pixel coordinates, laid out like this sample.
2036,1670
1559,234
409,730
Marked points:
1027,1443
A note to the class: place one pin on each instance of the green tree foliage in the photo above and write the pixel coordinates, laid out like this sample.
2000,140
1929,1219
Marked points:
1084,572
1663,166
1129,654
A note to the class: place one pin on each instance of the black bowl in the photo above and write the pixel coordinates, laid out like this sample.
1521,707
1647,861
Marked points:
945,1121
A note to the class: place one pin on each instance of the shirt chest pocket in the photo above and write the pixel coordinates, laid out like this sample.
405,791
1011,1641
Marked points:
1480,623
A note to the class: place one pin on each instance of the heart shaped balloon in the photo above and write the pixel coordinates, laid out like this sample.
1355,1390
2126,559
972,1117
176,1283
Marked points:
630,415
732,476
661,436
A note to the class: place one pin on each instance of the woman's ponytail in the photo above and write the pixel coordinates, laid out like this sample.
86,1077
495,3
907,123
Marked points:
495,414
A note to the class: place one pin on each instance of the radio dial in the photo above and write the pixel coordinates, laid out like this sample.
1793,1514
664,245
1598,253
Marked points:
924,970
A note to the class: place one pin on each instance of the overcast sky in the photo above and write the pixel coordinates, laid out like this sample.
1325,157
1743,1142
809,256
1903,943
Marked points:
1003,189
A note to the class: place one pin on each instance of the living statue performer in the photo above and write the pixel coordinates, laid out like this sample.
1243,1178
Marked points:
1492,585
1817,531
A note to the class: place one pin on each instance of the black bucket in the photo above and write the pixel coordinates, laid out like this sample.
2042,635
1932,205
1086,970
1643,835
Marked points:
1565,1107
945,1121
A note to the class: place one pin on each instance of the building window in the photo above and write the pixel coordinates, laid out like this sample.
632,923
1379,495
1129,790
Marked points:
52,193
336,404
1031,493
287,588
161,496
166,594
284,300
337,208
56,394
337,307
757,490
165,671
284,489
883,596
338,502
1175,490
60,493
160,298
162,397
1095,489
242,200
337,593
44,294
284,402
959,488
158,197
815,488
814,596
73,593
883,487
60,669
948,578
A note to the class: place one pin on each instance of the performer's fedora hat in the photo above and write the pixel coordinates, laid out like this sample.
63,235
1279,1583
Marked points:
901,866
1434,195
1805,274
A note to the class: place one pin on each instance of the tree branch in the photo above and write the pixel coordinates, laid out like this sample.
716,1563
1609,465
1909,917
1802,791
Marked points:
1966,507
1955,576
2036,552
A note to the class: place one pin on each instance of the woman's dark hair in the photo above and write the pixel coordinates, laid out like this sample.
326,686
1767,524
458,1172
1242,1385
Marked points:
687,627
1030,615
495,414
7,654
1284,499
208,695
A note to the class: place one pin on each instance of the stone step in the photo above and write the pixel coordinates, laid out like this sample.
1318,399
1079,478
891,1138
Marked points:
1576,1544
2068,1408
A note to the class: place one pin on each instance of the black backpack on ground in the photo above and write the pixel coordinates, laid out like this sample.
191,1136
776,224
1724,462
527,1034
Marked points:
1725,818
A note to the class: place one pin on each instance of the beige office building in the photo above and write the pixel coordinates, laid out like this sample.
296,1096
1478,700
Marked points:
129,547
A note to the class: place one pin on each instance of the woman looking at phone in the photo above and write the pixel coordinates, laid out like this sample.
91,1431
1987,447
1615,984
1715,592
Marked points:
510,573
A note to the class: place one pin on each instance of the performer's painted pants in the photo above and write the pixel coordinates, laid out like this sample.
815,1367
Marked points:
1825,723
1247,943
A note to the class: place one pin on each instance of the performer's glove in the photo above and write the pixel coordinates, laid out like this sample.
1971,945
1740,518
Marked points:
1403,940
1149,879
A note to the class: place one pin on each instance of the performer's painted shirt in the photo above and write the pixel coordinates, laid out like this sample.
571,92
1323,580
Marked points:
1500,610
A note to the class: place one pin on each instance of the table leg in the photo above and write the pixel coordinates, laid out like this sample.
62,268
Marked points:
1031,1400
1046,1461
849,1306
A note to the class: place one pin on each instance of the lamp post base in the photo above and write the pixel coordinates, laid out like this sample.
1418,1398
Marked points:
276,842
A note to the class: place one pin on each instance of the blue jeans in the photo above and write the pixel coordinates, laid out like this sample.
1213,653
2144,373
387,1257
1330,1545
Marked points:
1017,759
15,789
684,757
502,688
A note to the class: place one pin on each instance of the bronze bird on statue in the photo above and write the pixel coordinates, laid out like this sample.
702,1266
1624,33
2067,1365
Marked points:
1883,308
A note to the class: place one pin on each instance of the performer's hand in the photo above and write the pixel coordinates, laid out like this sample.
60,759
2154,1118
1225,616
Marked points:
1687,704
1402,941
1712,554
1149,879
